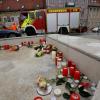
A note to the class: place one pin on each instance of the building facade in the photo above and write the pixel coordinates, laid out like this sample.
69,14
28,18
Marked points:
10,9
18,5
57,3
94,13
83,4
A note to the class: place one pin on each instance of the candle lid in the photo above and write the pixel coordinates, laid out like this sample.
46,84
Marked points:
60,76
76,81
85,77
57,92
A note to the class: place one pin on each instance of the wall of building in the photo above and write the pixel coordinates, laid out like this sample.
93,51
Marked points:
94,17
83,4
14,5
55,3
93,13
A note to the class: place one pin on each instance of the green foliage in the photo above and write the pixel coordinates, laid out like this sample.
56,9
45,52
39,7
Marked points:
68,87
39,54
66,96
83,93
60,81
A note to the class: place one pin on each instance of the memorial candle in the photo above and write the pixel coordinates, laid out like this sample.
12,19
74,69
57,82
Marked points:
77,75
6,47
65,71
42,41
48,50
60,55
32,42
69,63
22,43
28,43
72,70
74,96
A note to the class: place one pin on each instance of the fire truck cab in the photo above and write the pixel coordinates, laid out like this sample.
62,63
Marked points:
33,22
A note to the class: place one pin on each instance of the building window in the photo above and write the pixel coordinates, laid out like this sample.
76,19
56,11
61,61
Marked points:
93,1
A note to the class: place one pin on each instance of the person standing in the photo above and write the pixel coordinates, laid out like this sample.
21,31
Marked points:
14,27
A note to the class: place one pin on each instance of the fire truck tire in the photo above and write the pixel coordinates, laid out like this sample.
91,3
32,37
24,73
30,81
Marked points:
63,30
30,31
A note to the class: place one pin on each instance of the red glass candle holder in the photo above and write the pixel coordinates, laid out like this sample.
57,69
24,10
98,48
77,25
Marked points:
38,98
29,43
60,54
75,96
65,71
69,63
48,50
77,75
85,84
45,50
22,43
42,40
6,47
72,71
32,42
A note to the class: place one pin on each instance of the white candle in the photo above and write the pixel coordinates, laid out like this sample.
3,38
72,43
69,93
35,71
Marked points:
53,55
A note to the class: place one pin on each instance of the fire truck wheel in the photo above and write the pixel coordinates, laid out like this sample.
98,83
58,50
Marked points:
30,31
63,30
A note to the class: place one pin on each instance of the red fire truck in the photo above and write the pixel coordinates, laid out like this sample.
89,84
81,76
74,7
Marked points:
62,20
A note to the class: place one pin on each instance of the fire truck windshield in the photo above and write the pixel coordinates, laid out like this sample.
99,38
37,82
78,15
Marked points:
31,14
